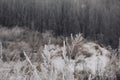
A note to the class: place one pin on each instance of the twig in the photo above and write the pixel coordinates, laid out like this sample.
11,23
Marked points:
35,70
1,50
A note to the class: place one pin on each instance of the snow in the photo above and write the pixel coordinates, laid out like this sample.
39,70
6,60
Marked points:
56,61
97,61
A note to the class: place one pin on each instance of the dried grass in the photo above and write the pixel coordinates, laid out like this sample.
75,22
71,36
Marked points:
64,60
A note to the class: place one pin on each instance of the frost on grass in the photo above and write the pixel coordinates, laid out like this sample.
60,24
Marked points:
75,59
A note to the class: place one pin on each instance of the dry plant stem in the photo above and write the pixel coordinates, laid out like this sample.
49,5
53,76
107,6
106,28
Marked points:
34,68
119,47
64,50
1,50
89,77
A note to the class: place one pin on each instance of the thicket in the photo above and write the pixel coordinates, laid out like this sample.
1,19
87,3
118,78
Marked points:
96,19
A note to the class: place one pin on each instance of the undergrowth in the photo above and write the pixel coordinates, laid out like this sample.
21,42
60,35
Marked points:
30,55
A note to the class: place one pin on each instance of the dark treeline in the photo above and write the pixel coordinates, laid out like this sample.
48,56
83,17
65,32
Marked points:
96,19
